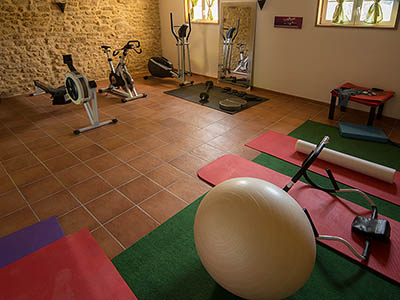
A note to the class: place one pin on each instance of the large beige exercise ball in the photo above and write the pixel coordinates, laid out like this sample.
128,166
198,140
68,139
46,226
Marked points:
254,239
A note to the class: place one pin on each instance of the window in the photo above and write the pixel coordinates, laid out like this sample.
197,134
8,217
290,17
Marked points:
358,13
202,11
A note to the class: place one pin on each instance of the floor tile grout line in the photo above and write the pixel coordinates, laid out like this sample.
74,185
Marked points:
23,197
88,211
81,204
86,179
98,174
95,142
16,186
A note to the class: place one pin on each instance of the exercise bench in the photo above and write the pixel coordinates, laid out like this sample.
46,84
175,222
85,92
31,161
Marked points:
373,101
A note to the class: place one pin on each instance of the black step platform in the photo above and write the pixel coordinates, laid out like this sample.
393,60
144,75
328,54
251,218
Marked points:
217,94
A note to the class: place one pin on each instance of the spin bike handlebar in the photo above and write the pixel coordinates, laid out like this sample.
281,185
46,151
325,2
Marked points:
134,44
173,27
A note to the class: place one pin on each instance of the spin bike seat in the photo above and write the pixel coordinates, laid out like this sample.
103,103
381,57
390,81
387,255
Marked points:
105,47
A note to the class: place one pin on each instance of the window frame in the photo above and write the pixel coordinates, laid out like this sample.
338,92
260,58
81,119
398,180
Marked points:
201,21
356,22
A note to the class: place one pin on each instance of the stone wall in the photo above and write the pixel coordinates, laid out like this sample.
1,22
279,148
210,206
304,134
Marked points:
34,34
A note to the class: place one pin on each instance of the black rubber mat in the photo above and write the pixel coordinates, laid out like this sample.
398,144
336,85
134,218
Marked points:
192,93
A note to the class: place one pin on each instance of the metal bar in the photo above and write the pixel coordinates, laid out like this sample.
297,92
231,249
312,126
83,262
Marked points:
339,239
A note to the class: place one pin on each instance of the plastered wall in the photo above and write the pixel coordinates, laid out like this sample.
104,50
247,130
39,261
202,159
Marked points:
308,62
35,34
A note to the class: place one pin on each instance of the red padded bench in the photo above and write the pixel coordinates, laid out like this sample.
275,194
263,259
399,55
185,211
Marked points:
374,102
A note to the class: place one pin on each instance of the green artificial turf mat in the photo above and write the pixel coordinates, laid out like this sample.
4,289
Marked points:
164,264
384,154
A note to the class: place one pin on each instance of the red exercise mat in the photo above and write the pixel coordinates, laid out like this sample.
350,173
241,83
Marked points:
331,215
74,267
284,147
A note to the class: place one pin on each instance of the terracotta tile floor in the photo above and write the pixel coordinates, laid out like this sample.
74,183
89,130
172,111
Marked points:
123,180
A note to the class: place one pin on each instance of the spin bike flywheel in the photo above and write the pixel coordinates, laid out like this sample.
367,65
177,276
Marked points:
116,80
77,87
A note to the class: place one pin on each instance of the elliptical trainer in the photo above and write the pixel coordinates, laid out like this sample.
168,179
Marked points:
77,89
161,67
229,38
119,76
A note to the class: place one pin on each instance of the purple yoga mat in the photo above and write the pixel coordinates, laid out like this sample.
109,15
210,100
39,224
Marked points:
28,240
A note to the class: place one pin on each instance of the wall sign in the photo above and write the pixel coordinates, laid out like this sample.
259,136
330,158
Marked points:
288,22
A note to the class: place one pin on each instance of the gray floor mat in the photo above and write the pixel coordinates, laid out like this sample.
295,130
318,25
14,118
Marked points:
192,93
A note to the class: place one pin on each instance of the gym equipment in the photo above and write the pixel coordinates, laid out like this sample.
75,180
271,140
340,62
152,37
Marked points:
250,235
243,63
234,104
230,105
77,89
162,67
215,95
350,162
260,234
119,76
73,267
367,133
204,95
229,35
362,132
329,213
283,147
26,241
57,94
372,228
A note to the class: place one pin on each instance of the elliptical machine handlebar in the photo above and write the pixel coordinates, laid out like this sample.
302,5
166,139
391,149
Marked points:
187,26
230,29
190,27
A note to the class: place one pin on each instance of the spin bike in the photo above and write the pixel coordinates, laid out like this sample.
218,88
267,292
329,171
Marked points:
243,63
77,89
119,76
161,67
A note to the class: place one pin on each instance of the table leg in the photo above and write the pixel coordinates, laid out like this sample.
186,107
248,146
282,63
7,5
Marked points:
332,107
371,116
380,111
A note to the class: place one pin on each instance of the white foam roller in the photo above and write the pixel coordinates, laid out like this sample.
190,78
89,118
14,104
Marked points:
350,162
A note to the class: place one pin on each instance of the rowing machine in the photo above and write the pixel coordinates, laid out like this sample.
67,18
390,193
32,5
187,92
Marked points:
77,89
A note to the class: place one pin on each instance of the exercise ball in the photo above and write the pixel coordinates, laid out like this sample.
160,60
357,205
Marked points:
254,239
